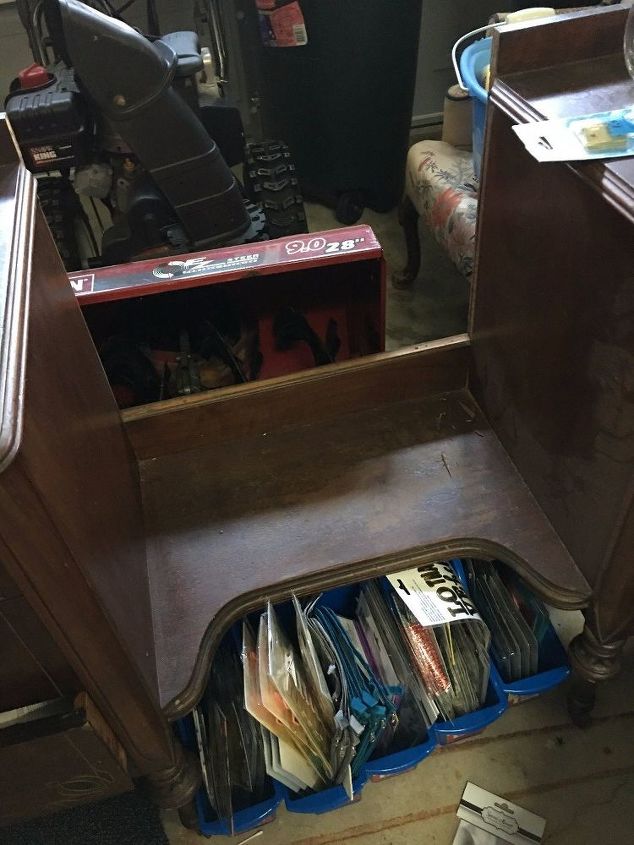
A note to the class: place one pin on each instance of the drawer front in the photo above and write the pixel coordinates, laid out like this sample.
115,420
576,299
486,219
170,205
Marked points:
58,761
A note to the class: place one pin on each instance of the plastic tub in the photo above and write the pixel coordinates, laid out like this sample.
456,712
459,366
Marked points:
470,724
553,665
553,669
243,820
472,62
342,600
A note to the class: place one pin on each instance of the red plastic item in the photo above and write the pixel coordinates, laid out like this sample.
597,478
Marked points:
33,76
334,275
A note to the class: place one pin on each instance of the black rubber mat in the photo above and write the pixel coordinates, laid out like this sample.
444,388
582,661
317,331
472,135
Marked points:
128,819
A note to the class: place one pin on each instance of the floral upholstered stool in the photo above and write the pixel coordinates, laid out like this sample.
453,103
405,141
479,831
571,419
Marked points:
440,187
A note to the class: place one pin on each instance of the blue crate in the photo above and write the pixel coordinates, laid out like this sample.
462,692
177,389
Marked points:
342,600
553,665
553,670
495,704
243,820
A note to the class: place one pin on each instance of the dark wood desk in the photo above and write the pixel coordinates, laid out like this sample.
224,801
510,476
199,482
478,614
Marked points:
133,541
553,310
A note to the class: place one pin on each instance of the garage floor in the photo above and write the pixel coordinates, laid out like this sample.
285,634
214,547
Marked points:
582,782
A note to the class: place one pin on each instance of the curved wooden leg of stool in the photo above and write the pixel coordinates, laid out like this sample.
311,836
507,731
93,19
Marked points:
408,218
592,662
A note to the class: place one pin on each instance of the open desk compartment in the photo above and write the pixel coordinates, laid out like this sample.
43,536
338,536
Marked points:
138,312
300,483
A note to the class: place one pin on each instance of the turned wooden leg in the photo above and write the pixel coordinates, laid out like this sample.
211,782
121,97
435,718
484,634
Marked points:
408,218
592,661
189,816
174,788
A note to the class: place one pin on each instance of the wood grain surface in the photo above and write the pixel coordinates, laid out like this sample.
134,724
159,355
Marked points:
232,525
32,667
71,534
299,399
553,305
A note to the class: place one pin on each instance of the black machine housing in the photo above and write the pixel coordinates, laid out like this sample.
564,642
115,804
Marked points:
120,116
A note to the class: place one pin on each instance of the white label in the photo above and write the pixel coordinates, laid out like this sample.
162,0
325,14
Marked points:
503,820
299,34
434,594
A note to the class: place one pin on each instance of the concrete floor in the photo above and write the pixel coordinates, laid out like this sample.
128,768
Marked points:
582,782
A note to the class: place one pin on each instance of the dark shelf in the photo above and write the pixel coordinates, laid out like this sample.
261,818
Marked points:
342,500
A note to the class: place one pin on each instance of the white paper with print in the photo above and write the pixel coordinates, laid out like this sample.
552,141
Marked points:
600,136
487,819
434,594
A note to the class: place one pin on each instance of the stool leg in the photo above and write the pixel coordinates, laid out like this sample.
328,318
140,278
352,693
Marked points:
408,218
592,662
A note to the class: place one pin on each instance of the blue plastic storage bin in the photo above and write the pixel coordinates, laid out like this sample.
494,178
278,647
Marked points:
553,669
495,703
243,820
553,665
342,600
472,62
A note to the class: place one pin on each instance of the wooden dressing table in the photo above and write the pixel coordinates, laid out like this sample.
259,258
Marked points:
130,541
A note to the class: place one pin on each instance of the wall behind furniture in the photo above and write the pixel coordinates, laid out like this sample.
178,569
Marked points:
442,24
14,48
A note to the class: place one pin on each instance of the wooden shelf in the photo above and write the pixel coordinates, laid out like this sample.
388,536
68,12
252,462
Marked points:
234,524
529,86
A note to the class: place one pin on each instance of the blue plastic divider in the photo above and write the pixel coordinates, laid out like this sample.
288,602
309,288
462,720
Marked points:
495,703
553,665
553,669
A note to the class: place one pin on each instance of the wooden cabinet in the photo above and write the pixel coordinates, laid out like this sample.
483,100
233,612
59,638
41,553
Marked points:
137,538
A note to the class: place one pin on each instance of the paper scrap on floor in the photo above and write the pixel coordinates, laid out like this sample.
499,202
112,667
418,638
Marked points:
487,819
